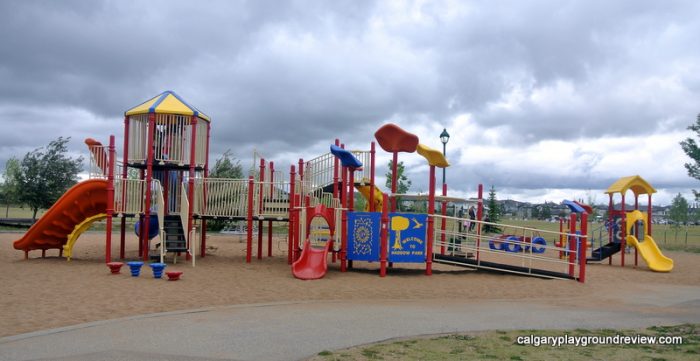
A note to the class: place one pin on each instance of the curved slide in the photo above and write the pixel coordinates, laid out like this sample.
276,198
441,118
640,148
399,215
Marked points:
652,254
648,248
312,264
82,204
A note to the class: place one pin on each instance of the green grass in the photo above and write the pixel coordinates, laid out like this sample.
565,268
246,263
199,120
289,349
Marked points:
501,345
18,212
668,237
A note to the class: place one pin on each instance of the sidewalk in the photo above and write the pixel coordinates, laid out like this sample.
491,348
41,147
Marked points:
290,331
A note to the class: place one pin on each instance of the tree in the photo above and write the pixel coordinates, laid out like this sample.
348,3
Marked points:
402,182
546,212
535,212
591,201
494,213
691,148
45,174
227,167
679,210
9,191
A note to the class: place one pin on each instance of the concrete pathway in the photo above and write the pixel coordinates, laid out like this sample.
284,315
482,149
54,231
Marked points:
290,331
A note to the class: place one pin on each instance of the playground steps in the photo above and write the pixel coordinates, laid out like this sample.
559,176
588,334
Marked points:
604,252
496,267
175,240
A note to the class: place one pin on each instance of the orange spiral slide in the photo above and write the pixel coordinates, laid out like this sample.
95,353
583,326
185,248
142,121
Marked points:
82,201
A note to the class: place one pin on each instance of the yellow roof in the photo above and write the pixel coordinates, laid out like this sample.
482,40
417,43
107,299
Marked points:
166,103
636,183
433,156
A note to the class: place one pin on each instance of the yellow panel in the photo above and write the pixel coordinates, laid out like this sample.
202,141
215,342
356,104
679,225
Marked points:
172,105
434,157
636,183
143,107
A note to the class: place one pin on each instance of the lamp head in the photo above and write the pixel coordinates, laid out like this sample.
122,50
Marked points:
444,136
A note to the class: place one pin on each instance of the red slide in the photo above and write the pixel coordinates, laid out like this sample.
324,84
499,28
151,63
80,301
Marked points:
83,200
312,264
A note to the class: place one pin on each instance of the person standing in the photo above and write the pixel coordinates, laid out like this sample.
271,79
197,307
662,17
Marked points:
472,218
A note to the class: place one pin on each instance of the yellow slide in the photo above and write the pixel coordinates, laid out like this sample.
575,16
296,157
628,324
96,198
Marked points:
650,251
651,254
378,196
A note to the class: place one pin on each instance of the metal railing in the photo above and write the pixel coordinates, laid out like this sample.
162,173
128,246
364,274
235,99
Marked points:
172,139
129,196
273,199
184,219
318,172
160,211
509,246
220,197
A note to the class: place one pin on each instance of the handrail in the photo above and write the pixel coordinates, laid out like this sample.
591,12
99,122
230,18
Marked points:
184,211
160,211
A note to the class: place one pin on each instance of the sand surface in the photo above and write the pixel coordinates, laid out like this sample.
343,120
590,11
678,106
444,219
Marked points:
41,293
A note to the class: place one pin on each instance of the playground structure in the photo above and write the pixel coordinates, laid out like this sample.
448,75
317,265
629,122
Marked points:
631,227
164,174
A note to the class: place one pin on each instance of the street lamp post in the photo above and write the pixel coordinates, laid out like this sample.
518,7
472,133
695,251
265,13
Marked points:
444,138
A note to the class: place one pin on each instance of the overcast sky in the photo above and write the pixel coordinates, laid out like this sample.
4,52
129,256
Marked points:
544,100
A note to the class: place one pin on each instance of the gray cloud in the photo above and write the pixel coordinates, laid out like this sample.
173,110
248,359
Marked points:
288,77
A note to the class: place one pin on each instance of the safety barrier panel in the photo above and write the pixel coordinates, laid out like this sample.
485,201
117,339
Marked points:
172,139
129,196
218,197
508,248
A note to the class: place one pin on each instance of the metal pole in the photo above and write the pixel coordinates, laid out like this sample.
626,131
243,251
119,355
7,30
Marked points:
444,154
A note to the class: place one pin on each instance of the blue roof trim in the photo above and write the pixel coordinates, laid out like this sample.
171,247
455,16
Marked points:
194,110
161,97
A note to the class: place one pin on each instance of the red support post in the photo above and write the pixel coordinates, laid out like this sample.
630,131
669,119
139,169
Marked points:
479,216
301,184
261,180
649,213
383,234
394,180
344,218
110,199
583,248
260,207
372,152
572,243
636,230
291,234
125,166
336,166
623,237
431,226
261,223
149,178
611,208
166,190
249,235
190,181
